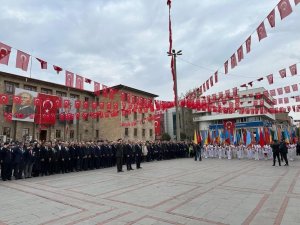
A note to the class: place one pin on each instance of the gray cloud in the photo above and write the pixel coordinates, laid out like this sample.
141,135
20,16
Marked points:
125,41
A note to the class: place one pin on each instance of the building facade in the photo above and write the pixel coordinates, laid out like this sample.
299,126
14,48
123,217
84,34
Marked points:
213,120
107,128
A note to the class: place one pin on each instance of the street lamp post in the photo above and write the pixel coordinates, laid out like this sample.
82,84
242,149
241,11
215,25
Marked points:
174,54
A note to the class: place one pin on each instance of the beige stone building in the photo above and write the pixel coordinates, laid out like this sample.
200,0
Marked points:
91,129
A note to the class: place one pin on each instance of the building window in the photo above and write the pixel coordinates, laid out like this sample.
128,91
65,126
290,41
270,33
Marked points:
74,96
97,133
135,132
58,134
143,132
7,108
10,87
61,94
72,134
86,99
6,131
151,132
46,91
126,116
25,132
135,116
126,132
29,88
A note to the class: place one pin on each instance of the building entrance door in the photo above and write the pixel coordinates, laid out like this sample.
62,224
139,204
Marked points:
43,135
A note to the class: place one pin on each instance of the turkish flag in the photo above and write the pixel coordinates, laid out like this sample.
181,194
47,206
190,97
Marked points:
229,125
17,99
284,8
234,91
233,61
282,73
77,104
157,125
4,53
293,69
79,82
69,79
286,100
248,44
104,90
204,88
46,113
287,89
43,63
226,67
4,99
216,78
96,87
37,102
297,98
86,105
22,60
273,92
274,101
261,31
94,105
207,84
295,87
211,81
240,53
66,103
270,78
271,18
280,100
57,69
279,91
58,102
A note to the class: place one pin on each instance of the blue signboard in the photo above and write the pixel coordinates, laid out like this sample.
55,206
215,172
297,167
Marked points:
243,125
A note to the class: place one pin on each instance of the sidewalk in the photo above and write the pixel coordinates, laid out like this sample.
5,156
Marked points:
168,192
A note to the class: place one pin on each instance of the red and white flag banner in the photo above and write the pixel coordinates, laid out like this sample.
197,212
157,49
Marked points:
211,79
240,53
270,78
271,18
261,31
22,60
285,8
297,2
4,53
282,73
233,61
295,87
69,79
279,91
216,77
226,67
96,86
287,89
43,63
79,82
293,69
248,44
57,69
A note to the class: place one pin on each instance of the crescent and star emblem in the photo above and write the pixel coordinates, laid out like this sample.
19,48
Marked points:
48,105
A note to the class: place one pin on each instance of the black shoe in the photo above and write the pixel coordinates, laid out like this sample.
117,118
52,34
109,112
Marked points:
286,164
279,165
131,169
273,165
120,171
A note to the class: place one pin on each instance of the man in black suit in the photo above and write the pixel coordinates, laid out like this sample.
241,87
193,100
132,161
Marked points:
298,147
6,161
283,151
138,155
17,161
29,160
275,149
119,155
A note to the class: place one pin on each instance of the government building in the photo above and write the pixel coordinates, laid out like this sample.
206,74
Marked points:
134,125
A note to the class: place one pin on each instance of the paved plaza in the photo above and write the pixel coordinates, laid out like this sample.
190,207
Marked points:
167,192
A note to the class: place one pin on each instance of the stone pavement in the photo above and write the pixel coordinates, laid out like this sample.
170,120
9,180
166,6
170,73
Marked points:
168,192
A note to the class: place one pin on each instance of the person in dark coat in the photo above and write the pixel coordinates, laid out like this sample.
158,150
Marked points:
36,169
128,154
51,159
6,161
283,151
275,149
138,155
29,160
119,155
17,161
298,147
44,158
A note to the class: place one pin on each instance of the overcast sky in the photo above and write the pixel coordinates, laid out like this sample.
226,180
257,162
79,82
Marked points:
125,41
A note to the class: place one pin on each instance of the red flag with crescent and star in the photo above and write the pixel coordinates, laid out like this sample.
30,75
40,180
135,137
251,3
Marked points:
261,31
284,8
46,112
248,44
43,63
79,82
69,79
229,125
22,60
4,53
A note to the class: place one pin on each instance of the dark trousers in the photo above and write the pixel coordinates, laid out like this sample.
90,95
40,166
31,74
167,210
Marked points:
7,171
18,170
276,154
119,164
138,160
128,163
284,156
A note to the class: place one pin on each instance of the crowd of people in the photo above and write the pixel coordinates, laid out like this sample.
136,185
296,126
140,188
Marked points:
37,158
